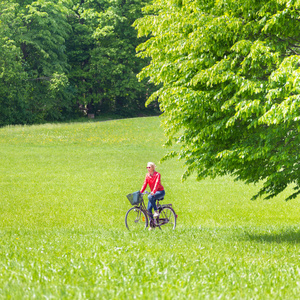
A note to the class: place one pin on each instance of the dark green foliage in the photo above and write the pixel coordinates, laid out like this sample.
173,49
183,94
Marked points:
35,42
104,63
59,56
12,76
230,95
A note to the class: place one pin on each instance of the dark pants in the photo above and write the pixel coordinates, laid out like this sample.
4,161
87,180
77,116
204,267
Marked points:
152,200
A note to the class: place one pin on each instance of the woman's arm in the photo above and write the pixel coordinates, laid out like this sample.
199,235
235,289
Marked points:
157,183
144,185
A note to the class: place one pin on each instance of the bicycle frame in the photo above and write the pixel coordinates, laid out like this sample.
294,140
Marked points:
154,222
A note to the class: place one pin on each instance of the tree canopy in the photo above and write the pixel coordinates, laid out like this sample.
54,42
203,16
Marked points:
61,56
230,93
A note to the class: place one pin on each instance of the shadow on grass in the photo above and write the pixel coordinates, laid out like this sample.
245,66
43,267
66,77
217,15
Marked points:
288,236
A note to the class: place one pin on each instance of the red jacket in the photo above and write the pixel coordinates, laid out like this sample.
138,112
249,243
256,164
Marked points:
154,183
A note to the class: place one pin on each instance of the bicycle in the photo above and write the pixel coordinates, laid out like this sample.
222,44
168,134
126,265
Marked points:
138,216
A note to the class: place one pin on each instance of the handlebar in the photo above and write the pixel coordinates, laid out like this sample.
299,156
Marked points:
145,193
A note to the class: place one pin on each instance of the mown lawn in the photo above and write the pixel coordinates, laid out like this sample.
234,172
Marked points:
62,229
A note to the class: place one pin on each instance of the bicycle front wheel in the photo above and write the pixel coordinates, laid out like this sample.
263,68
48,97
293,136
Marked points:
167,218
136,219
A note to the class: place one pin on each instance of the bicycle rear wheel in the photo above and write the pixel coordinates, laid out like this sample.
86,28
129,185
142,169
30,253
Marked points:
136,219
167,218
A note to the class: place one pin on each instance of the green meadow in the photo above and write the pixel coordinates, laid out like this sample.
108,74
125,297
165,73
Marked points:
63,202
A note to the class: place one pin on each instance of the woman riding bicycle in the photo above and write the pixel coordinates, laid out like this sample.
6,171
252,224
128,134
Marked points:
157,190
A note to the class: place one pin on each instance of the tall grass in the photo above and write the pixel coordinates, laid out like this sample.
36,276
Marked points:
62,229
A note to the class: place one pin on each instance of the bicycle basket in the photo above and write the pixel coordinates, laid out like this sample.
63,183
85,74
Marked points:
135,198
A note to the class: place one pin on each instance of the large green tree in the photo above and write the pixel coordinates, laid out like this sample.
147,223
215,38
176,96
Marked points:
231,86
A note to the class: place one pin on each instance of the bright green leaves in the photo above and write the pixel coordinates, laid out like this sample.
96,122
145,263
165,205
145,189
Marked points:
230,86
242,47
260,60
284,93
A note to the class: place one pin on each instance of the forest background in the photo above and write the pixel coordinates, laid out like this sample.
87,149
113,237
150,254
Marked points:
61,59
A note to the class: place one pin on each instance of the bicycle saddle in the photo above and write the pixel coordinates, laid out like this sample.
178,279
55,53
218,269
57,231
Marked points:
160,199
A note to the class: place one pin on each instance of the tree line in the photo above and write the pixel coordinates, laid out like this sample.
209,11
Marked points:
61,58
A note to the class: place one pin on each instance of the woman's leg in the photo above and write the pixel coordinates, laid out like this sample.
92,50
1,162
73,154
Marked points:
159,194
152,200
151,203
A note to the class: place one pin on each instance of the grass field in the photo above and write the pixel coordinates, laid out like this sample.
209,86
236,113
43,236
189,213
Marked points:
62,229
